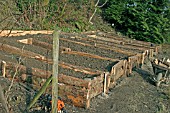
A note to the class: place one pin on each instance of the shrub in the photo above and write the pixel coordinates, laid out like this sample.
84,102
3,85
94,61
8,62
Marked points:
145,20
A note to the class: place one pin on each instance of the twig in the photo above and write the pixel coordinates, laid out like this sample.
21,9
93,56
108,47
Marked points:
16,71
96,6
3,100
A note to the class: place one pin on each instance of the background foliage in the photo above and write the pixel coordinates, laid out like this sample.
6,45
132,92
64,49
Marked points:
68,15
146,20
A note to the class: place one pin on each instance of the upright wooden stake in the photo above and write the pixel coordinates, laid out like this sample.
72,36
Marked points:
55,71
105,86
3,63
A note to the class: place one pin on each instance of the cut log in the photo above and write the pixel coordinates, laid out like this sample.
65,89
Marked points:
89,55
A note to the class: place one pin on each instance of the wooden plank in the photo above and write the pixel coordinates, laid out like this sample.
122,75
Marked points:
72,95
118,70
120,38
45,74
29,54
160,67
125,52
25,53
3,65
97,86
70,80
105,39
132,42
45,45
63,65
126,43
79,69
100,46
89,55
115,45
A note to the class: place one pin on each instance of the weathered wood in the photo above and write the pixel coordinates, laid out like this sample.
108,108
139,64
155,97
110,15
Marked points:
116,45
97,86
79,69
25,53
133,61
74,95
28,70
69,80
89,55
129,53
105,83
3,65
21,33
151,53
135,43
117,37
45,74
102,47
166,63
160,67
127,43
105,39
118,70
76,42
45,45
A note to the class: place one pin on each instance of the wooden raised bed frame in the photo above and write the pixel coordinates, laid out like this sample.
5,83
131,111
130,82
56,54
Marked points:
74,90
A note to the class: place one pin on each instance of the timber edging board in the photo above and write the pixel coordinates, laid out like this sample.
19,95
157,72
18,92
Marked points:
81,91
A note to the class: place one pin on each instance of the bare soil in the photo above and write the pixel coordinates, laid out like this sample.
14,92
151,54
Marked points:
134,94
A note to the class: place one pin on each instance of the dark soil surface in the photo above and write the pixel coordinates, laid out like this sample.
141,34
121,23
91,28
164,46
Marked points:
134,94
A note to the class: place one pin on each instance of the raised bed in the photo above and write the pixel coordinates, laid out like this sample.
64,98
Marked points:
88,65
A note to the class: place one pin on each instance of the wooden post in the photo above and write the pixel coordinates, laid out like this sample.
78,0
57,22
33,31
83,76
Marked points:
3,63
105,86
55,71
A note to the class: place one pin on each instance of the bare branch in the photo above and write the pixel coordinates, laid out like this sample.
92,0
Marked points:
97,3
96,6
92,16
103,4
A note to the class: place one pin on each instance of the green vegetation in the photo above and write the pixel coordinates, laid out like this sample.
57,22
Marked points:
68,15
146,20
